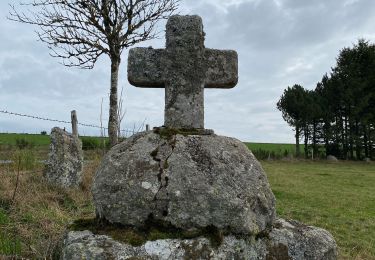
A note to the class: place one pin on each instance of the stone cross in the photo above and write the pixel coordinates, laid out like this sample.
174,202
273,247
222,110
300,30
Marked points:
184,69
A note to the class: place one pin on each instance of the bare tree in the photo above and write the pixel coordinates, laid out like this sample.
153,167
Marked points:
80,31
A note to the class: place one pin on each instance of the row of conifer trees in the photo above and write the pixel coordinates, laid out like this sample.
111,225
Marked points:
338,116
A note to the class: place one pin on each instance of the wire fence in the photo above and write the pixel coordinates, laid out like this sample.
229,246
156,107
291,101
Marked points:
124,132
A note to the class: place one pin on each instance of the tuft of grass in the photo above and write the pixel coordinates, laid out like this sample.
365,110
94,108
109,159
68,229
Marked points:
10,244
338,197
4,219
24,160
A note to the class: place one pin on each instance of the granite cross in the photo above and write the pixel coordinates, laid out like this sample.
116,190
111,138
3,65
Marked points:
184,69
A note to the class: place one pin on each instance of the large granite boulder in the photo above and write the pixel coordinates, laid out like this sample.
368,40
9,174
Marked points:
187,181
287,240
64,165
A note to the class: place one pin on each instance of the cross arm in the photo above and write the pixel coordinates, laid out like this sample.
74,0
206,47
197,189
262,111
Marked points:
222,68
145,67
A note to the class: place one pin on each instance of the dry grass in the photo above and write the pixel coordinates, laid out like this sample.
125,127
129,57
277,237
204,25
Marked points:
33,224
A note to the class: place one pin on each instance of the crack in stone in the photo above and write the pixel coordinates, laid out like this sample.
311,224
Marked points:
163,165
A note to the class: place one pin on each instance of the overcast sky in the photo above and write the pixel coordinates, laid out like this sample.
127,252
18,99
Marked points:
279,42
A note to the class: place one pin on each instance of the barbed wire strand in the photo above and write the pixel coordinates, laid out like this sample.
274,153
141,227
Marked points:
126,131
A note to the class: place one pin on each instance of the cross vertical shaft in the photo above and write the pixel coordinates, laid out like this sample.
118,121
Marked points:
184,99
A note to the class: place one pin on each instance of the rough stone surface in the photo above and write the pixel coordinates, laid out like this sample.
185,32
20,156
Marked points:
300,242
184,68
332,158
288,240
64,165
188,181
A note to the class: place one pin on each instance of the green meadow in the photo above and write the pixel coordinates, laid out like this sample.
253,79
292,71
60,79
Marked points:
36,139
10,141
278,148
42,141
339,197
274,151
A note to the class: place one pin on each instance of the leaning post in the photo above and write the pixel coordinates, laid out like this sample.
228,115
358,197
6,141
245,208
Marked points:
74,123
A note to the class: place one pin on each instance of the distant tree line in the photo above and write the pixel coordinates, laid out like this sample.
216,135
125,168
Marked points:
338,117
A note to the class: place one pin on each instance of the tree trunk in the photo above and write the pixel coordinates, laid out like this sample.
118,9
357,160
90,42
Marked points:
351,140
306,142
371,138
113,103
314,144
297,141
339,137
358,145
365,141
346,143
326,133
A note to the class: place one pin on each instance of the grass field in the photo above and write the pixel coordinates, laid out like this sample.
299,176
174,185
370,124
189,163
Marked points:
40,145
277,148
38,140
339,197
8,143
42,142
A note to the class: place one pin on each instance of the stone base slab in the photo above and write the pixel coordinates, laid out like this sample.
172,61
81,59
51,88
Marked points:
287,240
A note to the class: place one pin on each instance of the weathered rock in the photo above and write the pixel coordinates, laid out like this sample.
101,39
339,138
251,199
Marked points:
64,165
288,240
332,158
184,68
294,240
188,181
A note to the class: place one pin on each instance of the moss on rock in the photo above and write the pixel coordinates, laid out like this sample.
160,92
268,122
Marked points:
152,231
168,133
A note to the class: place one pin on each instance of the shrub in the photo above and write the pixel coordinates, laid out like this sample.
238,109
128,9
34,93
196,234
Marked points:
92,143
261,154
23,143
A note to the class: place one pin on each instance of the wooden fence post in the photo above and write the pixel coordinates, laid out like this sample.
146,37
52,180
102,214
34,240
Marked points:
147,127
74,123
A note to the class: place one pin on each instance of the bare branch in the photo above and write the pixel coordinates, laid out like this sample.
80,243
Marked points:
121,111
80,31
